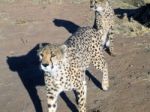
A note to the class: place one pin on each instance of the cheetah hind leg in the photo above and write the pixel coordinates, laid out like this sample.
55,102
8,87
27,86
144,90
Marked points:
100,64
108,46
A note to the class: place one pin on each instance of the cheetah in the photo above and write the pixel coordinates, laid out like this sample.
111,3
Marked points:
64,65
104,19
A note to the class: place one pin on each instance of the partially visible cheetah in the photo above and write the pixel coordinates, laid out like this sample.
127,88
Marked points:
104,19
65,65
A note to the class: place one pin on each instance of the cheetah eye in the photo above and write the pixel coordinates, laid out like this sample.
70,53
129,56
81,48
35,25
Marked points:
41,55
53,55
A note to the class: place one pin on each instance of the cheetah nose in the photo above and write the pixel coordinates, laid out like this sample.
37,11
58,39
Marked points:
45,65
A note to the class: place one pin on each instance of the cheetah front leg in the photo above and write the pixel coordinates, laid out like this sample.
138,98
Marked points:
52,95
52,92
100,64
81,94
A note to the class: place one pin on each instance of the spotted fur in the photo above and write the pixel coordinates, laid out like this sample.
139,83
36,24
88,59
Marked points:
104,19
64,65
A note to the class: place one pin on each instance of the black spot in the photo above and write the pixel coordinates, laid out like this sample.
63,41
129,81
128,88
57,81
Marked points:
61,79
49,92
81,99
54,89
49,105
54,105
51,97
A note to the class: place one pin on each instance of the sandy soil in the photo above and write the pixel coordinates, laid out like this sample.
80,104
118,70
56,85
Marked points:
24,24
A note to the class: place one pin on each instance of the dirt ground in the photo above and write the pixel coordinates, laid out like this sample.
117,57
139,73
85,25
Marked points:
25,24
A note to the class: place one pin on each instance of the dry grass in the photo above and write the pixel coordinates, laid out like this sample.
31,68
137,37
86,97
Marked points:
147,1
130,28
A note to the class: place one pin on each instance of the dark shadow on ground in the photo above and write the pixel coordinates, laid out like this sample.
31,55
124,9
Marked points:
68,102
27,67
68,25
141,14
94,80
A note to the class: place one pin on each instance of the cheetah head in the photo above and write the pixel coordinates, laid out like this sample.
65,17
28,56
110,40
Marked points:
50,55
98,5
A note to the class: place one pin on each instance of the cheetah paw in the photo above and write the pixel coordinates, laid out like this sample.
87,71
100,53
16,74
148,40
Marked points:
105,86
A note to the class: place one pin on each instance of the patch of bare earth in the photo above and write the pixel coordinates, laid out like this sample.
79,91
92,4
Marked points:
24,24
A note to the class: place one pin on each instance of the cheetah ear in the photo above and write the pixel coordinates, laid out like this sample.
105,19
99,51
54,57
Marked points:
58,51
40,45
39,48
61,51
63,48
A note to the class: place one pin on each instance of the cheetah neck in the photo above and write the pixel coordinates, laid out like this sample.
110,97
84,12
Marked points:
98,21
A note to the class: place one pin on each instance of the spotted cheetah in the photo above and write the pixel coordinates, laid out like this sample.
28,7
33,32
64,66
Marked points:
104,19
64,65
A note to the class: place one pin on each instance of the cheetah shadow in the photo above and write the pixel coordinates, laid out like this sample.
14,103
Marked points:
27,67
68,25
94,79
141,14
28,71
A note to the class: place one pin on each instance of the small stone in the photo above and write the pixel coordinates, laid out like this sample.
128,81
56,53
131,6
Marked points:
143,66
130,65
